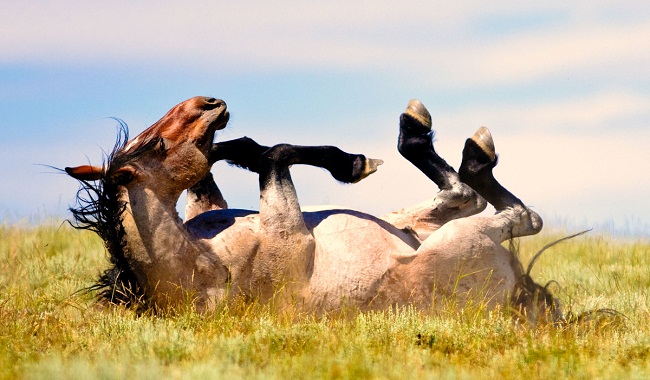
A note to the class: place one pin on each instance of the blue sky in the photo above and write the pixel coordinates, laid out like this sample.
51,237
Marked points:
563,86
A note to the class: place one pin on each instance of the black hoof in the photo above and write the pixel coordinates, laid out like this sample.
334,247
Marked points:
478,155
416,119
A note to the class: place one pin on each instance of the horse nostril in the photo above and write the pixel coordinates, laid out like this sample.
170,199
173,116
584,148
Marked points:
212,103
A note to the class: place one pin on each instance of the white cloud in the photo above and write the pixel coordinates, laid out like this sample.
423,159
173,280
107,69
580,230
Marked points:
556,153
432,39
598,113
568,49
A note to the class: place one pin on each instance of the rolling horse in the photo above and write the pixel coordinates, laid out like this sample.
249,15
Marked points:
323,259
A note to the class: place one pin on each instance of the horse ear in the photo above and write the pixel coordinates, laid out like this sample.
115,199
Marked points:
123,175
85,172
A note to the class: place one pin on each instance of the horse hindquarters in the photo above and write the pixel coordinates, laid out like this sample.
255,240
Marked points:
464,257
463,260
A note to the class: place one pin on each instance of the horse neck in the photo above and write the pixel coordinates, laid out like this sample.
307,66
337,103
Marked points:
159,248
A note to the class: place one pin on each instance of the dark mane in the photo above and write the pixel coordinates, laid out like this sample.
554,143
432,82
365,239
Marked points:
99,209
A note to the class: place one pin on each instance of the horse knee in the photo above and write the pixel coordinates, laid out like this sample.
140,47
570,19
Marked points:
463,198
518,221
278,154
530,222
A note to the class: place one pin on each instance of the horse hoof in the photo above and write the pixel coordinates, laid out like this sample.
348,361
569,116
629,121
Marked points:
370,167
479,156
419,112
483,138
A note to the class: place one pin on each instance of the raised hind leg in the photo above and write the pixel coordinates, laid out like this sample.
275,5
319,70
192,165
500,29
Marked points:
286,250
513,218
455,199
463,261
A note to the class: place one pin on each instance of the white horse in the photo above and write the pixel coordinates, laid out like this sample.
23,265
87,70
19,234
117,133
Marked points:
319,260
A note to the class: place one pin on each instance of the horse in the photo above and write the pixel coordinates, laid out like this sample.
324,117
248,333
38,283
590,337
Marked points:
321,260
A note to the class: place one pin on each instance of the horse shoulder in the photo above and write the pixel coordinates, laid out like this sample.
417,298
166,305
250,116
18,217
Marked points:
232,235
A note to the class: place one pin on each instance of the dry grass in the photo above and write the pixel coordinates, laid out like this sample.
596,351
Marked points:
49,331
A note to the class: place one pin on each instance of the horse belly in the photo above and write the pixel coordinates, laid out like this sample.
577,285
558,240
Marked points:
351,258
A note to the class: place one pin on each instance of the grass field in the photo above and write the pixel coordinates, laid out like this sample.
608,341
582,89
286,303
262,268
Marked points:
49,331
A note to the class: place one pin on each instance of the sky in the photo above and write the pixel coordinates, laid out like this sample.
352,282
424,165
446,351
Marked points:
564,87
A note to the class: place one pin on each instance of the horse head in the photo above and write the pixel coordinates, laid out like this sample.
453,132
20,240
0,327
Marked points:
171,155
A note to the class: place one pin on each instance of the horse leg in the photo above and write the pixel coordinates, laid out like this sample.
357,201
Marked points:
455,199
285,255
243,152
205,194
464,261
513,218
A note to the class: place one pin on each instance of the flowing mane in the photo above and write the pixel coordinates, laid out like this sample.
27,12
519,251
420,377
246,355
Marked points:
99,209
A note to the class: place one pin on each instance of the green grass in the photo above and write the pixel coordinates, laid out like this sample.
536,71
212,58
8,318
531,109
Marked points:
49,331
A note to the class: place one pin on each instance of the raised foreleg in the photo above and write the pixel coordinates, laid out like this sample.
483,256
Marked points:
285,255
243,152
205,194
